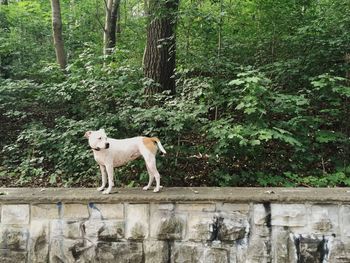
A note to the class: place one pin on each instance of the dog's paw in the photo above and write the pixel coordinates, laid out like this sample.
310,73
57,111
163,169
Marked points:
100,188
156,190
106,192
145,188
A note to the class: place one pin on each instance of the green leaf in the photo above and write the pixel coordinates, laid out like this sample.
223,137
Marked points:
255,142
324,136
236,82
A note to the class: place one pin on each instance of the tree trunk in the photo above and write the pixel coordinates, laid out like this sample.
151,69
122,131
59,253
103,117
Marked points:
109,37
220,29
57,34
160,50
347,62
118,30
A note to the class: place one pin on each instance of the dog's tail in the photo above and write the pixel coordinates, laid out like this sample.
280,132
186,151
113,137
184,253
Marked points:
160,146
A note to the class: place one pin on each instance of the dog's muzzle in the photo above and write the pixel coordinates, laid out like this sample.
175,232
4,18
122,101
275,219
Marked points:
96,149
99,149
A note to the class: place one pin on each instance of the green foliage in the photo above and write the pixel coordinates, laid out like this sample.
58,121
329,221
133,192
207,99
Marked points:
262,94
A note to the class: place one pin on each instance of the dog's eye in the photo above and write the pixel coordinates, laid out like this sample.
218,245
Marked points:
100,138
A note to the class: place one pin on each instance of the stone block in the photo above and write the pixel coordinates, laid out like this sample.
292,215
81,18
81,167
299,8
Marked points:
186,253
156,251
91,229
163,206
104,230
233,208
283,247
260,214
9,256
215,255
231,226
339,252
171,228
111,231
344,220
121,252
238,252
258,250
39,241
75,211
166,225
67,229
291,215
199,226
106,211
312,248
44,212
324,219
15,214
196,207
137,221
217,226
13,238
70,250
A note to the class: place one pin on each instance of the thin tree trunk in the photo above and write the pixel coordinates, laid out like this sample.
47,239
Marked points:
145,7
57,34
347,61
114,21
107,29
118,30
188,35
4,72
125,13
346,111
160,51
220,29
109,37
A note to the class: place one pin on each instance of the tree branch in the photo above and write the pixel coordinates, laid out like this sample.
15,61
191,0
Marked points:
97,17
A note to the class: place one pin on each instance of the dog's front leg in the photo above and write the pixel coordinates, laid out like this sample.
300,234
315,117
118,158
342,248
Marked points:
109,169
104,177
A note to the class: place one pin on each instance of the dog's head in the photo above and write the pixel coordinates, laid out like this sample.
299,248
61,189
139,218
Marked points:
97,139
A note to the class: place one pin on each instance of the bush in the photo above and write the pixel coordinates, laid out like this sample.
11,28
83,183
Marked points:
238,131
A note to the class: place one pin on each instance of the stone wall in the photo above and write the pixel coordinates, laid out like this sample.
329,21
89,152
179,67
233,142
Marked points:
179,225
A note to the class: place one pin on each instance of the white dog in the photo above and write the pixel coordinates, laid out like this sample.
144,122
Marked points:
110,153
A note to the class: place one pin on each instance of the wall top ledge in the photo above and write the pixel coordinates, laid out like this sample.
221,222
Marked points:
176,194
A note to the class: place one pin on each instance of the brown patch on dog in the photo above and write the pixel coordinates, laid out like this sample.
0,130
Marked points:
150,144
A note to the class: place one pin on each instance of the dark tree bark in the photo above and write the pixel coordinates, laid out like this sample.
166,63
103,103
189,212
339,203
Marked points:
4,72
347,61
109,37
118,30
160,50
57,34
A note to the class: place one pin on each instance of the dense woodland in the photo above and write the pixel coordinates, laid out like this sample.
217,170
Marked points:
240,92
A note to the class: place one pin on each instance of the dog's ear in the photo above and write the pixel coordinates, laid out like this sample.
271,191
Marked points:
103,130
87,134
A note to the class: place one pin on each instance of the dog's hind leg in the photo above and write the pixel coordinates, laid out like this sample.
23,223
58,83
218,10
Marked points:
104,178
151,163
150,178
148,151
157,176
